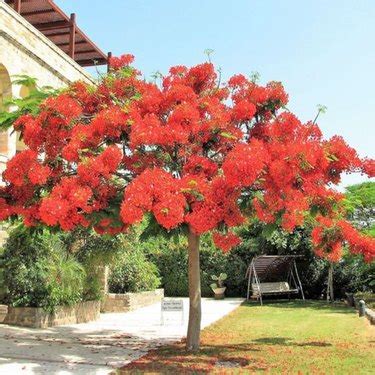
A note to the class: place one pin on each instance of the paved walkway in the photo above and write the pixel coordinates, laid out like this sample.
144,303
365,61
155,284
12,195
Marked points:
98,347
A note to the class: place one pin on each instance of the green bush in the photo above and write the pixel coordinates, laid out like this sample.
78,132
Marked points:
94,252
171,259
173,267
38,271
132,272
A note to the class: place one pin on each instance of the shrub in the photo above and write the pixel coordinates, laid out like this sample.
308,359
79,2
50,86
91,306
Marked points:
65,276
172,261
38,271
94,252
133,273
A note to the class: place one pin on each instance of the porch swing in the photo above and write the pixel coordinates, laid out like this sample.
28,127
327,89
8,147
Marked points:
273,275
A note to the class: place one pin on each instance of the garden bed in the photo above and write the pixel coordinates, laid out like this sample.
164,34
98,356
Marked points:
114,302
37,317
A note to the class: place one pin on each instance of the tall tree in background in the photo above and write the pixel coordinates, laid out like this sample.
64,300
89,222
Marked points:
360,205
192,154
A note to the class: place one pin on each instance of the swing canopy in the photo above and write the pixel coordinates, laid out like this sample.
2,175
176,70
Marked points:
273,275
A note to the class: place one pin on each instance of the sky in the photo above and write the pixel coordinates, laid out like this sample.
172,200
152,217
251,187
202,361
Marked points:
322,51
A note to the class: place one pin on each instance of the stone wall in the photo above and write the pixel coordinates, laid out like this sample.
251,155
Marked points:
3,312
36,317
130,301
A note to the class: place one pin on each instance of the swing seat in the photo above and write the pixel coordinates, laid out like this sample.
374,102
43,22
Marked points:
274,288
273,275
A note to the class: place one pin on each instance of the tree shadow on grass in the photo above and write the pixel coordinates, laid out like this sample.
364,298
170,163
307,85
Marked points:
286,341
174,359
308,304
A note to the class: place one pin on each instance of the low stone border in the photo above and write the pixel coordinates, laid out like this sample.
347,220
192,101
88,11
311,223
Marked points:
354,302
3,312
370,315
36,317
113,302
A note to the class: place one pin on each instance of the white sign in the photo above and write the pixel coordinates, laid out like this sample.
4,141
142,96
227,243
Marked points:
172,305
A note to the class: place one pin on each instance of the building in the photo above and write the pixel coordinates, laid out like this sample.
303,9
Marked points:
39,40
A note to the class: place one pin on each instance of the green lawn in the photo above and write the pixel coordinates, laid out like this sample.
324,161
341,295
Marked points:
278,338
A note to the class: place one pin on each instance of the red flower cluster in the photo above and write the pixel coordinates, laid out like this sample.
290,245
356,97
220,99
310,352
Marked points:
244,163
200,166
358,242
154,191
5,209
95,169
329,236
119,62
225,242
66,204
25,168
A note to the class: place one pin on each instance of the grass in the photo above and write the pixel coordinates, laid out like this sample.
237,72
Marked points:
278,338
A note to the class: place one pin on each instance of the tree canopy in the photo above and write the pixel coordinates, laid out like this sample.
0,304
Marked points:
191,152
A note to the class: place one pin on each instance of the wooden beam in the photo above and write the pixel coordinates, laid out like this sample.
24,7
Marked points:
51,25
17,6
58,33
91,62
67,44
36,12
83,52
109,55
72,36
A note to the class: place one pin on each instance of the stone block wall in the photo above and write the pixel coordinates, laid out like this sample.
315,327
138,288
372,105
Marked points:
3,312
36,317
113,302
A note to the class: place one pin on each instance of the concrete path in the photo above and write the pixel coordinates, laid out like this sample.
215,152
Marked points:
98,347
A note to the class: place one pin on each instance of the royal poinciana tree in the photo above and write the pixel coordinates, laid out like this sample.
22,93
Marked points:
192,153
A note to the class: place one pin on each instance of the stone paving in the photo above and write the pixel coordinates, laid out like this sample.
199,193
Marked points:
99,347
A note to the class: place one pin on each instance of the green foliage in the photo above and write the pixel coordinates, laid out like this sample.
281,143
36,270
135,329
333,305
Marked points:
38,271
172,263
29,104
360,203
352,274
94,252
133,273
171,259
65,275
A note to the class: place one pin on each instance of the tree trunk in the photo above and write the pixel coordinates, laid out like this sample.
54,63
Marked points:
194,327
330,295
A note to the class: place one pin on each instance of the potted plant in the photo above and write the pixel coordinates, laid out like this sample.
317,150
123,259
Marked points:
218,286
